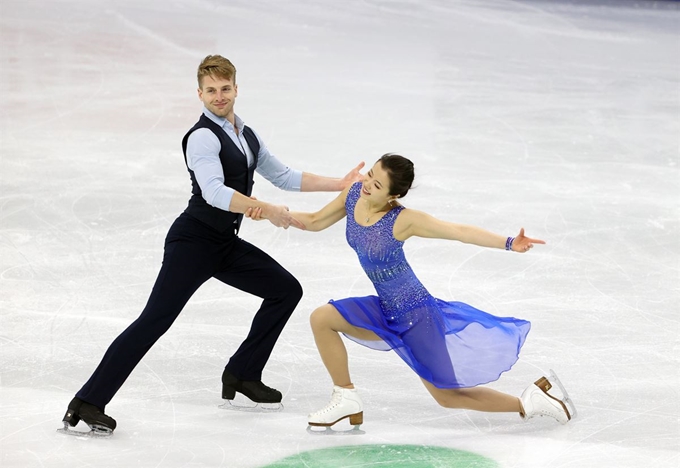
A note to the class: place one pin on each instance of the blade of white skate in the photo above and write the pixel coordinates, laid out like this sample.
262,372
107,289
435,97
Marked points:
565,396
92,433
247,405
329,431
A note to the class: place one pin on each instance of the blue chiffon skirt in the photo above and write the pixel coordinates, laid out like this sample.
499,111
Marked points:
450,344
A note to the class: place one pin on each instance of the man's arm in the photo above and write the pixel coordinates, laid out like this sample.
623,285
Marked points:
286,178
316,183
203,150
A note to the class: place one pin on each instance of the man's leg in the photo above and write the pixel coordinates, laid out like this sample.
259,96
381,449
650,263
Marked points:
251,270
186,266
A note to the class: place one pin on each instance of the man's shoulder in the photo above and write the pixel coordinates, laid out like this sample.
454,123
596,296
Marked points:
204,125
202,137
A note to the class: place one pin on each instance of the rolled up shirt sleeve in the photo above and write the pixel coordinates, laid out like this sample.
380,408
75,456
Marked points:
203,149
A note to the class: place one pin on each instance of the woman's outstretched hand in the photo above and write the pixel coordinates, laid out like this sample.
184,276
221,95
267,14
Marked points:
523,244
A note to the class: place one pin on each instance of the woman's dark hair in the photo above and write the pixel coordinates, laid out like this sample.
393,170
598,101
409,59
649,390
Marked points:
401,173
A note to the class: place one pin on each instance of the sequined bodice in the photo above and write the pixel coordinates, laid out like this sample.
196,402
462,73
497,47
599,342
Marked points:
382,258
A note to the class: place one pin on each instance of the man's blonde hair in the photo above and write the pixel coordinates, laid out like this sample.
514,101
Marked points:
216,66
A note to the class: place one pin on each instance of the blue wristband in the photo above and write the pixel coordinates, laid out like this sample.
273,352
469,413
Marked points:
508,243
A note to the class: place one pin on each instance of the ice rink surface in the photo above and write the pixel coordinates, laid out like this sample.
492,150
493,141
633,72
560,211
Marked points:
562,117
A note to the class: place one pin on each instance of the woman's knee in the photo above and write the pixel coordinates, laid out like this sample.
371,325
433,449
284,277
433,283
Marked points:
321,317
316,318
449,398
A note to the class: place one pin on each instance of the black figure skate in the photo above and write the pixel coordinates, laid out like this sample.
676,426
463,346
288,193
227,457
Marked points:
100,424
266,399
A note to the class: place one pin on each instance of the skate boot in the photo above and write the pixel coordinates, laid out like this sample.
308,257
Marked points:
536,401
345,403
266,398
100,424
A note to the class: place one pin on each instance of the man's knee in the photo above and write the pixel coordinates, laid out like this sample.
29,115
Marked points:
293,289
297,290
283,285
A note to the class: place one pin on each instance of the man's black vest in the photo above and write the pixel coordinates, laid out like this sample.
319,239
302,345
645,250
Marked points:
237,175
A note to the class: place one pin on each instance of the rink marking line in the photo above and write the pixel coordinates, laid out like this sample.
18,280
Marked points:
392,455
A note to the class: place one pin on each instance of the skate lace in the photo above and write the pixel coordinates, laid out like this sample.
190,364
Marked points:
554,408
336,398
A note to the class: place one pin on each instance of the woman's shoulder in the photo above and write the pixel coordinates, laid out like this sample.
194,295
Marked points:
404,213
405,219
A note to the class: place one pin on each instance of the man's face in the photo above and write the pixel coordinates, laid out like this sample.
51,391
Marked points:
218,96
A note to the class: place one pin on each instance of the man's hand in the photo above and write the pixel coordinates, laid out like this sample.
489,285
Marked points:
354,175
279,216
254,213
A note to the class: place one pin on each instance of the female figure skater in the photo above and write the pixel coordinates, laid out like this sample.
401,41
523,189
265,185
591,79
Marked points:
452,346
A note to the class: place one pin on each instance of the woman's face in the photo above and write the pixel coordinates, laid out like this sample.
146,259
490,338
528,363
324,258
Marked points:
376,185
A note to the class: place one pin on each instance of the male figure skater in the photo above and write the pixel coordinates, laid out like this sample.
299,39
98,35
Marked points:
221,154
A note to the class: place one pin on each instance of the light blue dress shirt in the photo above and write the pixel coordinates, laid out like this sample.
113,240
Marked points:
203,157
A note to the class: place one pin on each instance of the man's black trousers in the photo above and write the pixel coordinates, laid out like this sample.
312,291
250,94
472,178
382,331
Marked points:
194,253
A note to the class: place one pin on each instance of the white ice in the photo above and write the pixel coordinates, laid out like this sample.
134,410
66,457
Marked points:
562,117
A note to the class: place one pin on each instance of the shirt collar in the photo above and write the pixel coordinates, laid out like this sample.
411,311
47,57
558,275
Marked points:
224,123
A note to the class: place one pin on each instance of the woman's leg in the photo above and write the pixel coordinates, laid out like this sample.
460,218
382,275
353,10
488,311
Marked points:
475,398
327,324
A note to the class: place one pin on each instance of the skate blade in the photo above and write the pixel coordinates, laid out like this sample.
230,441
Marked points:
93,433
252,407
565,396
329,431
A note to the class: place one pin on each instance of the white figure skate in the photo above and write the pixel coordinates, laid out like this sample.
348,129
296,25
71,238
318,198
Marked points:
536,401
345,403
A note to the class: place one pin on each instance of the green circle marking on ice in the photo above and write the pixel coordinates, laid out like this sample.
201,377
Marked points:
392,456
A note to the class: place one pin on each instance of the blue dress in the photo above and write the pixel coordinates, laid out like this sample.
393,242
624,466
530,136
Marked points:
450,344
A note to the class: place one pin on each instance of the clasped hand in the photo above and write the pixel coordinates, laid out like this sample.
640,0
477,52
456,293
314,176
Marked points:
278,215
